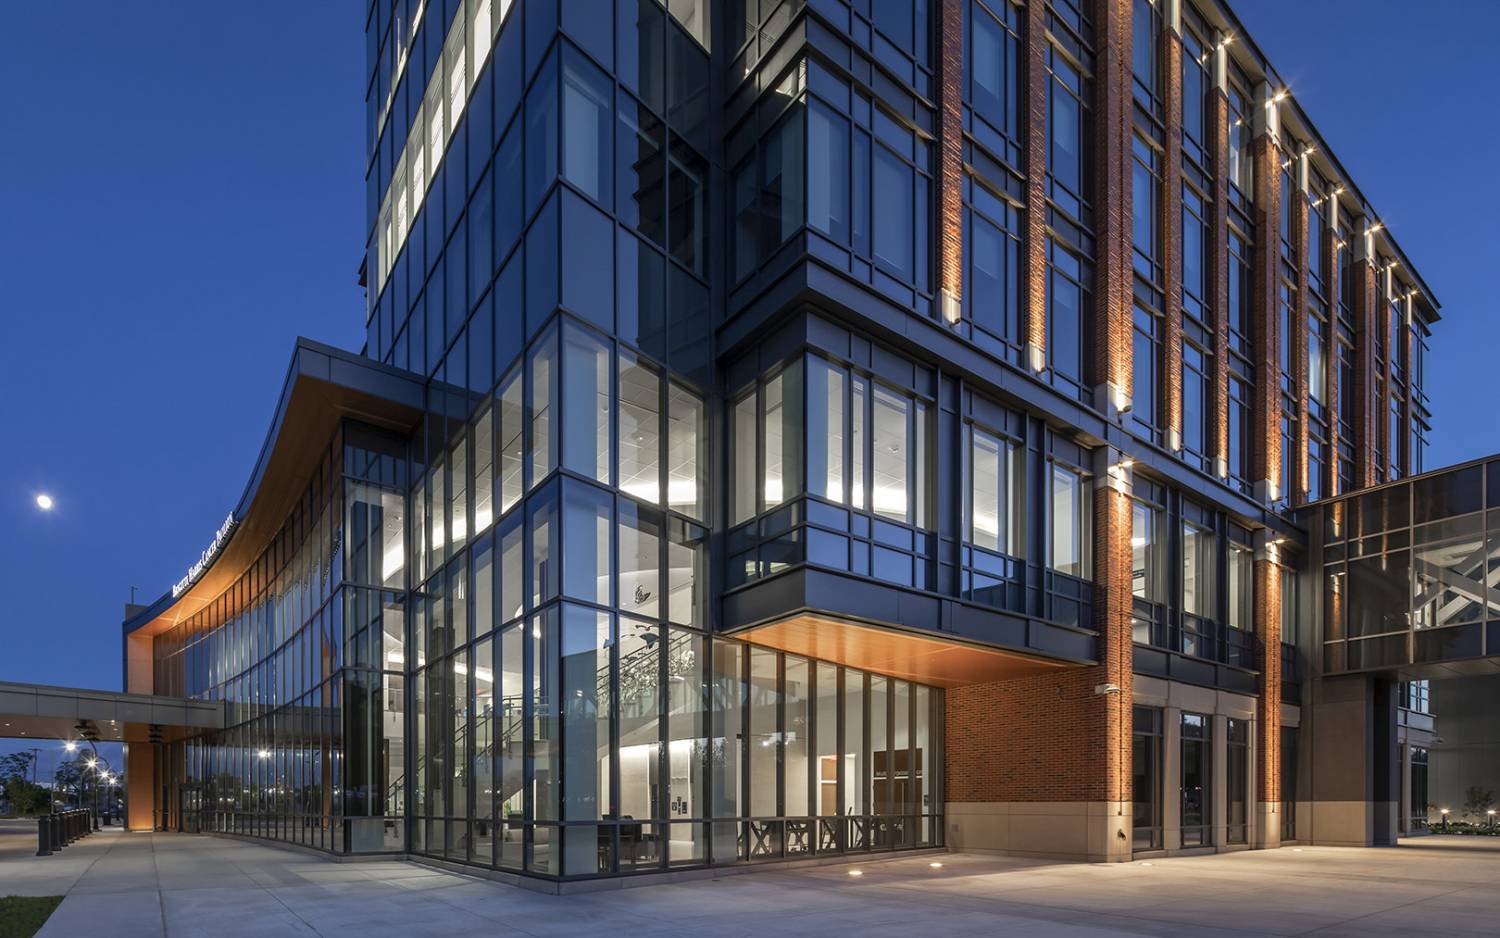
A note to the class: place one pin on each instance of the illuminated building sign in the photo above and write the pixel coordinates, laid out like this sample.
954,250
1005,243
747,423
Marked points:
210,553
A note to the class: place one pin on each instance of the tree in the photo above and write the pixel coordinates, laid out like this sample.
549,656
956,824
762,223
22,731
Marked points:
1478,802
16,765
71,776
26,798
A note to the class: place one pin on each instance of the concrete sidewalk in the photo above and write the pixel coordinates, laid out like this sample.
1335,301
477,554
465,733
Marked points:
183,885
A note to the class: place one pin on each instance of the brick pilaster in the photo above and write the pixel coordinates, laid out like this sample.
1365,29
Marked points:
1171,232
1034,248
1297,492
1265,408
1407,456
1219,279
1112,611
1268,705
950,119
1331,292
1112,229
1366,404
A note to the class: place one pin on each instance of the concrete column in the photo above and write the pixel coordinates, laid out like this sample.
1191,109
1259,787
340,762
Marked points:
1355,790
1403,813
1171,777
140,786
1219,780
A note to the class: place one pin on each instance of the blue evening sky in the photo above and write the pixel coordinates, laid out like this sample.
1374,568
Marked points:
181,194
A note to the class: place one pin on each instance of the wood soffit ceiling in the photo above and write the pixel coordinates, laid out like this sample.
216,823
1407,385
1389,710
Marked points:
939,662
313,411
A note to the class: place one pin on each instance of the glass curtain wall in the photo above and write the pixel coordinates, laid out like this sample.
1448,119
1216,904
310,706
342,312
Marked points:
830,466
634,743
306,649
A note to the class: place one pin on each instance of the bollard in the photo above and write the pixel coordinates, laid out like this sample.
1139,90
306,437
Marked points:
43,836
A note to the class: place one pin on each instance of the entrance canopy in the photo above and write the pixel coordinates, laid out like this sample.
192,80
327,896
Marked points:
37,711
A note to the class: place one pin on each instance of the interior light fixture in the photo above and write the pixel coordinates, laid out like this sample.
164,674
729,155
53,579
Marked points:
856,872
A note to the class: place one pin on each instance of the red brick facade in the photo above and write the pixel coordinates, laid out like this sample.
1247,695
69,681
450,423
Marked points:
1066,736
1055,737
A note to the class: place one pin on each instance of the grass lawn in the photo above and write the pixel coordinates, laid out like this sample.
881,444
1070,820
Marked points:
22,916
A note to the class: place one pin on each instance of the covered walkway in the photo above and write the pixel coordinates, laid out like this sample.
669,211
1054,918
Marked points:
155,885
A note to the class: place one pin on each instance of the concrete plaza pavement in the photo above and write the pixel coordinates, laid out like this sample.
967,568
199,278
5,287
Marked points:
130,885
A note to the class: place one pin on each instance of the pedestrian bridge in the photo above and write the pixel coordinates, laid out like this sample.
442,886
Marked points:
39,711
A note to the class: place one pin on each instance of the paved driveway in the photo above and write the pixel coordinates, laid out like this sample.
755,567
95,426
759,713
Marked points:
180,885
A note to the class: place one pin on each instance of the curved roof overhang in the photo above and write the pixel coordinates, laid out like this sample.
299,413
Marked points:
323,386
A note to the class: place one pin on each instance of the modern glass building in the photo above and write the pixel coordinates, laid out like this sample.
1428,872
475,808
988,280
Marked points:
804,428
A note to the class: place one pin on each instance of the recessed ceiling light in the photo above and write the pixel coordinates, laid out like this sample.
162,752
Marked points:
856,872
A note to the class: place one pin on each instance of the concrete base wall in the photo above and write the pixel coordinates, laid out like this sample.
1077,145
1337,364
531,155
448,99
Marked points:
1265,830
1064,830
1346,823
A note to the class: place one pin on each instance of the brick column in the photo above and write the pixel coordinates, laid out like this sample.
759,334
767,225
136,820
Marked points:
1382,317
1366,405
1408,458
1267,590
1112,369
1171,230
950,168
1296,490
1331,290
1218,269
1034,247
1055,748
1265,408
1112,619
